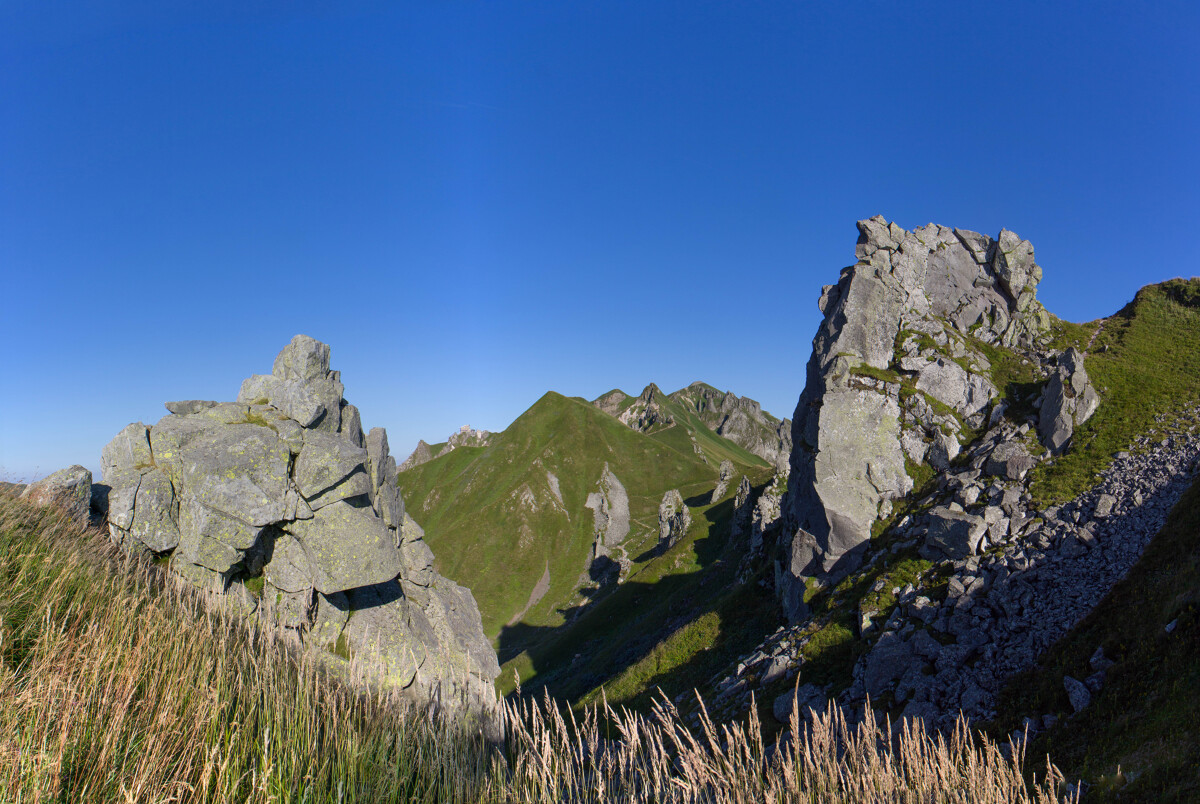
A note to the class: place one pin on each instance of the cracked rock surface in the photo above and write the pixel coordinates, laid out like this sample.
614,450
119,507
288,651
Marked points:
282,492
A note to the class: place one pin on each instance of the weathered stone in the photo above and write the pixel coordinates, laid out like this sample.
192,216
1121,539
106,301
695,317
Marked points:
724,475
951,384
1009,460
189,406
1068,401
289,568
1077,693
347,547
955,533
674,519
807,699
130,449
1104,506
330,468
211,538
303,359
154,516
69,489
610,510
240,470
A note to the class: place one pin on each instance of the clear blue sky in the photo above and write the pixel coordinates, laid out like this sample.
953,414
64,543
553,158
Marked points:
475,203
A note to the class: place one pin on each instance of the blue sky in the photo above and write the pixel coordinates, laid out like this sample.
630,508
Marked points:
475,203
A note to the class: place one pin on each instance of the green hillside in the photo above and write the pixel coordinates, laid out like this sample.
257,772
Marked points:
500,517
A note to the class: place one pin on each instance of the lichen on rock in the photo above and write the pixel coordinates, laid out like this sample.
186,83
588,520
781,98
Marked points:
283,484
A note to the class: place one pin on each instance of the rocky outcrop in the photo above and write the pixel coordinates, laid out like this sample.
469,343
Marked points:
648,412
894,375
1068,401
674,519
69,489
282,492
421,455
610,512
724,475
741,420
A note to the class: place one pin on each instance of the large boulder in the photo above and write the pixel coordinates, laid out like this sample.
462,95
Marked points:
283,485
956,534
69,489
1067,401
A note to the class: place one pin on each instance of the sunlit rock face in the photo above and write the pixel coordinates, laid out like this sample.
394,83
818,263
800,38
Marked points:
904,316
279,503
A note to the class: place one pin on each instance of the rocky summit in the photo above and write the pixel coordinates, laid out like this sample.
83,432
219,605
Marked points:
280,504
898,374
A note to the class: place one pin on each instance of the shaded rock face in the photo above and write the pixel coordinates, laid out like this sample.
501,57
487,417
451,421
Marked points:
903,318
741,420
284,486
1068,401
70,489
674,519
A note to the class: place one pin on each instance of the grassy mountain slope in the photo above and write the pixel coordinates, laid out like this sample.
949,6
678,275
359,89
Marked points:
1145,363
499,517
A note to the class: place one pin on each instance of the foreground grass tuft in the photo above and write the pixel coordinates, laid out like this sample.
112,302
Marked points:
118,685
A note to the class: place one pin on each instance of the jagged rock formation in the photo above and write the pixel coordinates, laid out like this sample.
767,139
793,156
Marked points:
1068,401
894,376
70,489
724,475
647,412
674,519
422,454
466,436
281,491
610,509
741,420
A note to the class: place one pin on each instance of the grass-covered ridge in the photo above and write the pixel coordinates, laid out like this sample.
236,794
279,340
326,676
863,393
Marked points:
498,517
1145,363
118,686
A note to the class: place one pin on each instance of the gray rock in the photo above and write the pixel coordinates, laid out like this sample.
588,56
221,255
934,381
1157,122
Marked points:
1077,693
303,359
725,474
189,406
280,483
885,664
330,468
155,518
1104,506
68,489
674,519
1067,401
130,449
951,384
610,510
956,534
240,470
1009,460
347,547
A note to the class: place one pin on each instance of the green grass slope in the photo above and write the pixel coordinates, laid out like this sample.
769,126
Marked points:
496,523
1145,363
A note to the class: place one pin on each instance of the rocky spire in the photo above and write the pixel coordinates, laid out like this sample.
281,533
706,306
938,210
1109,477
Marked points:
281,505
904,316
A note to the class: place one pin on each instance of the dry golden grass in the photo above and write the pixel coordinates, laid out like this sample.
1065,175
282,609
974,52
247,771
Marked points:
117,684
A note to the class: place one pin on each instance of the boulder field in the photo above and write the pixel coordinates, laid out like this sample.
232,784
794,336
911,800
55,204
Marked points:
282,505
